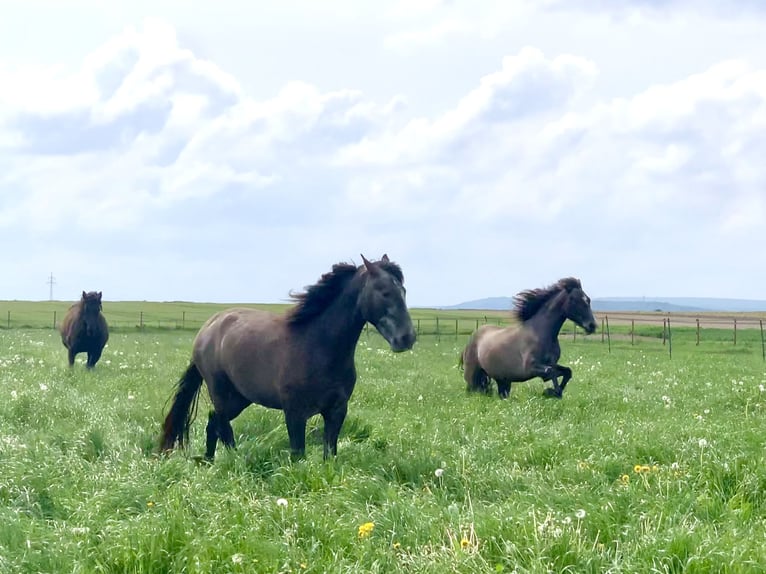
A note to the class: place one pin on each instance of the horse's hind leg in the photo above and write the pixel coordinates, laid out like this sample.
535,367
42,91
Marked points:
227,404
70,356
218,427
503,388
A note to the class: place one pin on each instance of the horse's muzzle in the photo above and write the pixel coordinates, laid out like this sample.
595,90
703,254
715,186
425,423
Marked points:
403,342
590,328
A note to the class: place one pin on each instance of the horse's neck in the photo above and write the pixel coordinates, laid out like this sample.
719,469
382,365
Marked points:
338,327
549,320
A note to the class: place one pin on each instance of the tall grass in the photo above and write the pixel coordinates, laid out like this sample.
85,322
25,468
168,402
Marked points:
647,464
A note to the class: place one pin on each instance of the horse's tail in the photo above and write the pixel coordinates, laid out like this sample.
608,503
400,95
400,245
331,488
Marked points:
183,410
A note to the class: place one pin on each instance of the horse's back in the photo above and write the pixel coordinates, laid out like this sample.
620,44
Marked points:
247,346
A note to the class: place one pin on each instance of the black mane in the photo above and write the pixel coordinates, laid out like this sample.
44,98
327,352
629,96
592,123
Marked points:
316,298
529,302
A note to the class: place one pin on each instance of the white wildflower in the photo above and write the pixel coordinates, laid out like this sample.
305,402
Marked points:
281,502
439,472
702,443
580,514
43,387
237,558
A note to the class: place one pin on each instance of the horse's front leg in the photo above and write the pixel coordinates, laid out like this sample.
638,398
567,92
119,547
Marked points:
333,421
548,373
566,374
503,388
296,432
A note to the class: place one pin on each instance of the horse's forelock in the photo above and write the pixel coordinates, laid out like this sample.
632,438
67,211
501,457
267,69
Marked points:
570,284
393,269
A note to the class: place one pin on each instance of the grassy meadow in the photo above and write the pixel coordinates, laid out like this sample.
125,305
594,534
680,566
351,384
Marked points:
648,464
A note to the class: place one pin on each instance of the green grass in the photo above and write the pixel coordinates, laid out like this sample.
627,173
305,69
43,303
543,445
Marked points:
130,315
528,484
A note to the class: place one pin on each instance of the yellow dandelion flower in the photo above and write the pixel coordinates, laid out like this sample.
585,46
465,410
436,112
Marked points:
366,529
150,504
655,468
396,545
582,465
625,479
303,565
646,468
465,543
637,469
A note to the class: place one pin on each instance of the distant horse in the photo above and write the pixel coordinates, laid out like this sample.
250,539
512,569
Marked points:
84,329
301,362
530,348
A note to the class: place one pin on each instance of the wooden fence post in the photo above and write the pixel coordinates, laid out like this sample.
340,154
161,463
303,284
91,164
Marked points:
664,330
632,330
698,331
608,336
735,331
183,319
602,328
9,319
418,328
141,320
456,331
670,341
763,345
574,331
54,319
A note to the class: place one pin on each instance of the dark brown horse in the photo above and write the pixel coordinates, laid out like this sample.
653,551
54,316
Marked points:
301,362
84,329
530,348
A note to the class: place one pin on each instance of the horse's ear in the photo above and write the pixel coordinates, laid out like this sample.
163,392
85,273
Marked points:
385,258
369,266
99,296
83,294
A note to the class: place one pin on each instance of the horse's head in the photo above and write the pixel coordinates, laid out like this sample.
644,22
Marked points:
382,303
577,306
91,307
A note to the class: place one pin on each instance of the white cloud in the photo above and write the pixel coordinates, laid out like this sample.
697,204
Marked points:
527,170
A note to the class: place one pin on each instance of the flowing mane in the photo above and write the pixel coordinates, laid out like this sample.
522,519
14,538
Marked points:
316,298
529,302
319,296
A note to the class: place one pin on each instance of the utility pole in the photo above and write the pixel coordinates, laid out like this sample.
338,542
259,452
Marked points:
51,283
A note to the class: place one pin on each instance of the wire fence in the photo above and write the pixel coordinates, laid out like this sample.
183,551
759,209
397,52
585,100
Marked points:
636,329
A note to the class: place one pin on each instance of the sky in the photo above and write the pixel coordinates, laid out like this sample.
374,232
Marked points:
234,151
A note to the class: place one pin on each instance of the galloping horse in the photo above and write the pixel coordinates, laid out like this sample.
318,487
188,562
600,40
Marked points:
530,348
301,362
84,329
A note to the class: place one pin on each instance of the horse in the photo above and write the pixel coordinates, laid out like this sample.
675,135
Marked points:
301,362
84,329
529,348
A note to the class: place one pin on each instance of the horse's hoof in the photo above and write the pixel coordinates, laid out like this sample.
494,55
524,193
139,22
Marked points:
551,393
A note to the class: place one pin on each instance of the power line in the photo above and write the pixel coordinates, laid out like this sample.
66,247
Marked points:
51,282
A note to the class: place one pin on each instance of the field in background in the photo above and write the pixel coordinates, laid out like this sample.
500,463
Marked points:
647,464
743,330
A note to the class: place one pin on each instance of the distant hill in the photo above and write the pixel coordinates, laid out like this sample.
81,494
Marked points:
672,304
